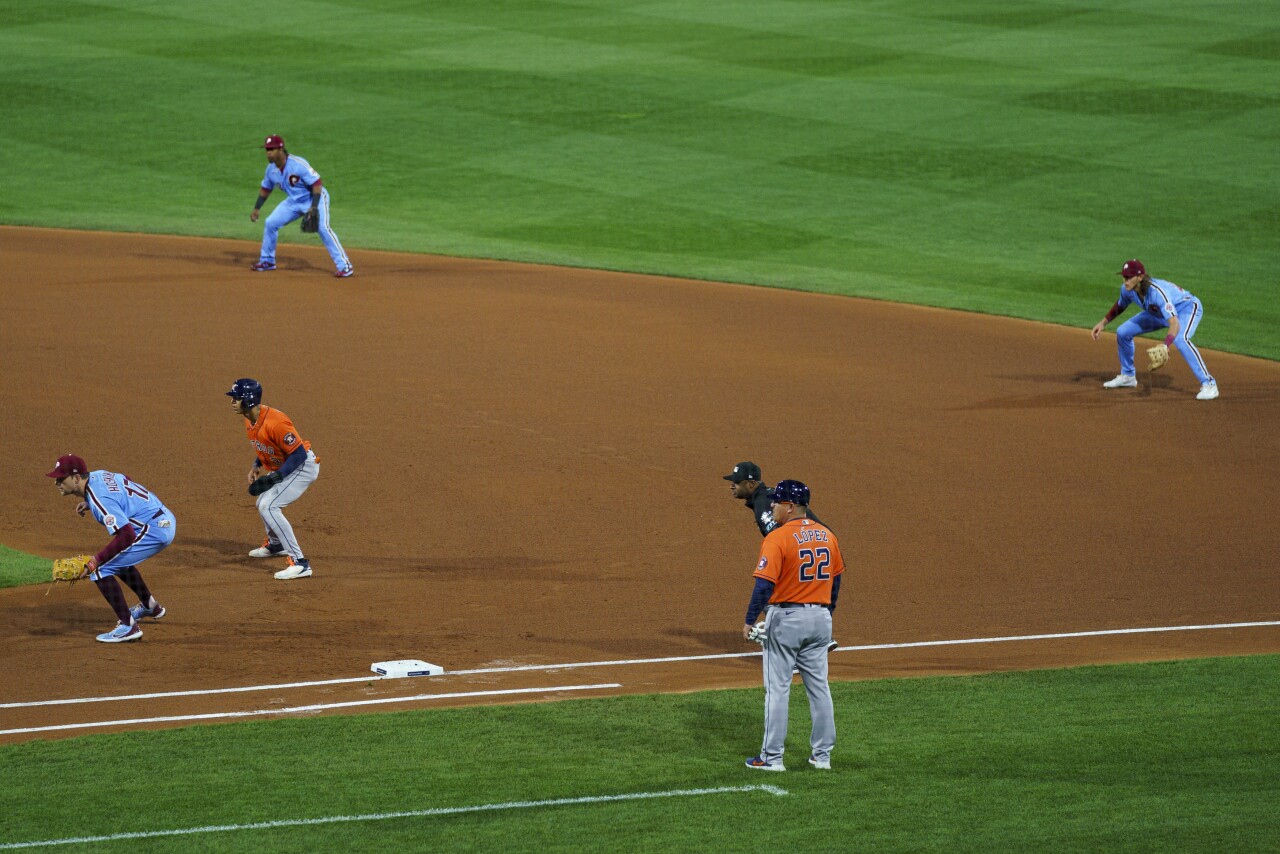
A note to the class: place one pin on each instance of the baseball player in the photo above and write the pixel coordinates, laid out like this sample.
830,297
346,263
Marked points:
140,526
746,485
304,196
283,468
797,584
1161,304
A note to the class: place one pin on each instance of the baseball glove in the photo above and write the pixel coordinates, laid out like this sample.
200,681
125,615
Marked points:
1157,356
70,568
311,221
758,634
264,482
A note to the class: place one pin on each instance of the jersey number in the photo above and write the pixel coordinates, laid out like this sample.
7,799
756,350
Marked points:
814,563
136,490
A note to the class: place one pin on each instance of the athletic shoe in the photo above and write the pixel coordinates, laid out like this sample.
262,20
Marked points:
1122,381
263,266
820,764
295,569
833,646
345,273
1208,391
139,611
121,633
759,764
267,549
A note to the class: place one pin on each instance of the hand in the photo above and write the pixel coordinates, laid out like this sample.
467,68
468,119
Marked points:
253,215
254,472
746,631
1097,329
82,507
90,567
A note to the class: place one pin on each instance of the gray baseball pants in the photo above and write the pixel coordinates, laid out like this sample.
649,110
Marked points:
271,505
797,637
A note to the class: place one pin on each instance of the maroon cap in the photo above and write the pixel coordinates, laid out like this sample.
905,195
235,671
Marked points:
68,464
1133,268
273,141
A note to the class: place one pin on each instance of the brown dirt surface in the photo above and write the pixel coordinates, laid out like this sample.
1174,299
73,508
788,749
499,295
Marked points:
522,465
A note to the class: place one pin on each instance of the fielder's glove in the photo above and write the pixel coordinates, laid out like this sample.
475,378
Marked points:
311,221
71,568
758,634
1157,356
264,482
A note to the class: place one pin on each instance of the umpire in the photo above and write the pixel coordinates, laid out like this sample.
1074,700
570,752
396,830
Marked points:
748,486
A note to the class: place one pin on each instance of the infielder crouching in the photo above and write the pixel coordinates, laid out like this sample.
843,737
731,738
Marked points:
140,526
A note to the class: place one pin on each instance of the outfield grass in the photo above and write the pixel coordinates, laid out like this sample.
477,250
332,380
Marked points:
1178,756
21,568
1003,156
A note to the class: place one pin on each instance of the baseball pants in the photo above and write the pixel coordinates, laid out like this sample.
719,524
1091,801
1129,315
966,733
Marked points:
288,211
271,505
797,638
1188,319
154,536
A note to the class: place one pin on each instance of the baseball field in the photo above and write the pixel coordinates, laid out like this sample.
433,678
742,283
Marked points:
604,251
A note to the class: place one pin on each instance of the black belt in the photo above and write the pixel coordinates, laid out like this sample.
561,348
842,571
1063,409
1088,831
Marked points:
798,605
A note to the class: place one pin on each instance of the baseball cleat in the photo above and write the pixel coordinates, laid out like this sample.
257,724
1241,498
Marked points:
345,273
263,266
1122,381
820,764
833,646
267,549
139,611
295,569
759,764
121,633
1208,391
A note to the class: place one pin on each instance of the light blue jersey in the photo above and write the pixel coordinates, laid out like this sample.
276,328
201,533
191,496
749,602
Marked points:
1164,299
116,501
1163,302
296,179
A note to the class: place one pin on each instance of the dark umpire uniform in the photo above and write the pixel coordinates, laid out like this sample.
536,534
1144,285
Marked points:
760,502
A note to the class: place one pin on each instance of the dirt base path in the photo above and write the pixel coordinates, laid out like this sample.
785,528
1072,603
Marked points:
522,464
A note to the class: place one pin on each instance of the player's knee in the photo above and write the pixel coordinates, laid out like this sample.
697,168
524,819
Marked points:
264,503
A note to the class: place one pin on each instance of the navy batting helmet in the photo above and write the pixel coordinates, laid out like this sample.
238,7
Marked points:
246,391
791,492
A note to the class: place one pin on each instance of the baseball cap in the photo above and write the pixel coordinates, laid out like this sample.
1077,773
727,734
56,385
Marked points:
68,464
273,141
1133,268
744,471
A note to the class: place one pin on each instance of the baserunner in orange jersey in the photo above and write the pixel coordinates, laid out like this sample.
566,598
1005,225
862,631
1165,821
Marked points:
283,468
797,583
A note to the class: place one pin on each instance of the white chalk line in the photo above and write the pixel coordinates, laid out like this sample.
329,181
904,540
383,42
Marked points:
619,663
383,816
313,708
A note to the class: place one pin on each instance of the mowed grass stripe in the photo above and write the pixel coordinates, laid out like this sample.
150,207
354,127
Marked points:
1170,756
942,153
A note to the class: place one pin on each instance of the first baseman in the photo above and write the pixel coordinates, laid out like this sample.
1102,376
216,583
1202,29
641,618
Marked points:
797,584
140,526
283,467
1161,304
304,196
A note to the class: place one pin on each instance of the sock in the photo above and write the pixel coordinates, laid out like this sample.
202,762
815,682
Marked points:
115,598
133,578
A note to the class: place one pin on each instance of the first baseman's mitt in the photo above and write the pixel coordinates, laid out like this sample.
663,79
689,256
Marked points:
70,568
264,482
311,221
758,633
1157,356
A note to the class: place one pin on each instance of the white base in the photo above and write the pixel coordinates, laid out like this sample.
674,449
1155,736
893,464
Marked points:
406,667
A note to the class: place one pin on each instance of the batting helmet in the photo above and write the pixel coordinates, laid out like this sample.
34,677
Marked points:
246,391
791,492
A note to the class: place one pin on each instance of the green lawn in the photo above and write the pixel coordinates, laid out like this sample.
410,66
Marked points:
1002,156
1179,756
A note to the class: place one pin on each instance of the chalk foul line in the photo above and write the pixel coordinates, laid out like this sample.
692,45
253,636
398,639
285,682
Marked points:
427,813
668,660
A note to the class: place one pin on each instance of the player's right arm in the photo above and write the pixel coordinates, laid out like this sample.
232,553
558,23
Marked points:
263,193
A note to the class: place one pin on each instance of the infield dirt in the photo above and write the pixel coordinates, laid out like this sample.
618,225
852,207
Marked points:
524,464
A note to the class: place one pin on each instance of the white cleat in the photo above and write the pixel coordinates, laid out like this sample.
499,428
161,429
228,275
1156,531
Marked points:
1208,391
1122,381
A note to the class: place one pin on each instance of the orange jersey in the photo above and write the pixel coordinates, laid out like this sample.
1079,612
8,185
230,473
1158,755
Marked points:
274,437
801,558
